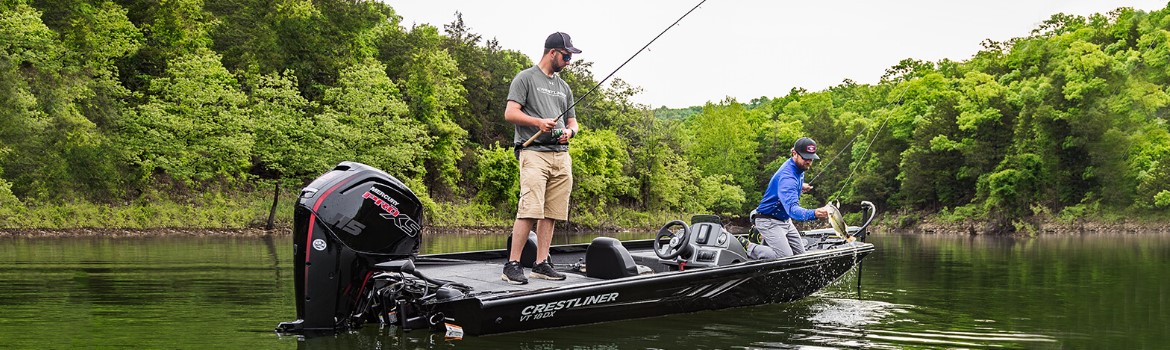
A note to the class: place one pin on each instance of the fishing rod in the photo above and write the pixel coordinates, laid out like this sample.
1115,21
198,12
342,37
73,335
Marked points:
579,99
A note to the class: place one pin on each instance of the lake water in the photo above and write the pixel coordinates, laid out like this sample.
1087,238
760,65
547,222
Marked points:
1094,291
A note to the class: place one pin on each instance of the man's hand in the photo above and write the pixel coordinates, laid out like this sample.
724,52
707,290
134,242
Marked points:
822,212
805,188
545,125
566,134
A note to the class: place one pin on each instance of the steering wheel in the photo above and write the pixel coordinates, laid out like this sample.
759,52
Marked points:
677,240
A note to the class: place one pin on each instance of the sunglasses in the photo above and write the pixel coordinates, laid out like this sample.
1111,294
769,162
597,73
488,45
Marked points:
566,55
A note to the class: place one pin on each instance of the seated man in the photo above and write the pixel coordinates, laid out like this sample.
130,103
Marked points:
781,204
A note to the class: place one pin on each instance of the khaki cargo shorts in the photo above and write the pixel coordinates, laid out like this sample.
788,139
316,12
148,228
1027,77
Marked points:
546,179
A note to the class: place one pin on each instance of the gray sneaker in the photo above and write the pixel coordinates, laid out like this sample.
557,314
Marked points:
545,270
514,273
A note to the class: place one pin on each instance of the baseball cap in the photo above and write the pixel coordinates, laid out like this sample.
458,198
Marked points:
806,148
560,40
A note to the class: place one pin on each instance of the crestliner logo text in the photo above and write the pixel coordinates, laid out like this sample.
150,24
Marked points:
546,310
550,92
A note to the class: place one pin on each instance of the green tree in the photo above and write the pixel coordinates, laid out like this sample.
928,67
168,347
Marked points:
195,126
719,194
434,92
599,159
56,150
9,204
497,178
1012,188
723,143
488,70
98,38
364,120
670,183
247,34
286,144
27,51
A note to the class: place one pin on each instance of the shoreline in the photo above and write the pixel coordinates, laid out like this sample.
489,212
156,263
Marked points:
1042,228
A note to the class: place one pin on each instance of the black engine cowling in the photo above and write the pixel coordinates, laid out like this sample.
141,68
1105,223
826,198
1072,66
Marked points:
346,221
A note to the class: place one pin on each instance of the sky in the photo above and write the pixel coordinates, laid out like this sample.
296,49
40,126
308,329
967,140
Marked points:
749,49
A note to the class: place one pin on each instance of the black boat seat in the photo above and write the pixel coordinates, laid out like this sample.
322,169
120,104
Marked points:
606,258
528,254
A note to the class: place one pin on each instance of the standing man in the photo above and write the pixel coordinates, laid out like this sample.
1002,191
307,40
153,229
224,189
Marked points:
781,204
536,98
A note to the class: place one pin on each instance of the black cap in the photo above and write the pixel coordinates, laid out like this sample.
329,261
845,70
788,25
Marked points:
560,40
806,148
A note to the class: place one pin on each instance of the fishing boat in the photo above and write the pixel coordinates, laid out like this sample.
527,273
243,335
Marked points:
356,240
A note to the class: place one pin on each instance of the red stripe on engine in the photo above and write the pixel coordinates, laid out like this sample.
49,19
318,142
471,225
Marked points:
312,218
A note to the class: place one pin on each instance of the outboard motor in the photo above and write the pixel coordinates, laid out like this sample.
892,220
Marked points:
346,221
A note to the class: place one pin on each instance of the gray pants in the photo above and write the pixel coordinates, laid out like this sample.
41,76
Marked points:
782,239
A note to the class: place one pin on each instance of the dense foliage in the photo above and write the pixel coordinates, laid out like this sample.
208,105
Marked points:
206,103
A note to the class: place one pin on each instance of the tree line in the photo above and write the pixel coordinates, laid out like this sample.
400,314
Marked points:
116,103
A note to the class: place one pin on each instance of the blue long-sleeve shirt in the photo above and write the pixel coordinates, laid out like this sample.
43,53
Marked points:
782,198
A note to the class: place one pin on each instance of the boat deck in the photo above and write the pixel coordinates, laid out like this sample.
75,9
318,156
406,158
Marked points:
482,270
485,275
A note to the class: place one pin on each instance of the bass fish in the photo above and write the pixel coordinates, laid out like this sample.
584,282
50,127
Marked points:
838,222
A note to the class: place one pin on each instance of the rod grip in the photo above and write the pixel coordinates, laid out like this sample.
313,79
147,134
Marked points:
530,139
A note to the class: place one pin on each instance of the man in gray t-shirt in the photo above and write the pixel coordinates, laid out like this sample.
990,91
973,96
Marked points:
536,98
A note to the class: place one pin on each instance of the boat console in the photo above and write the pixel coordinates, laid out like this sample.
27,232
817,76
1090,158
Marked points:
703,243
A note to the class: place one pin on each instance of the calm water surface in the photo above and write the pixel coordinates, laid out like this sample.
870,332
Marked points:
917,291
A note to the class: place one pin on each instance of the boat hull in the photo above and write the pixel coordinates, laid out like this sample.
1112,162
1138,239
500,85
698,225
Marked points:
743,284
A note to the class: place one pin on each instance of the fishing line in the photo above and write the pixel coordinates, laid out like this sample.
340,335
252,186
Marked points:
831,160
857,165
579,99
865,154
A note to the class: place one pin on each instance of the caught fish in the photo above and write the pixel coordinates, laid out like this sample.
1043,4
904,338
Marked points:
838,222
